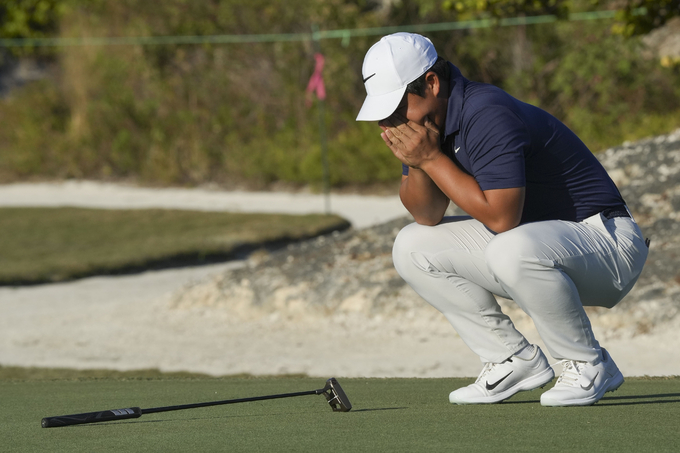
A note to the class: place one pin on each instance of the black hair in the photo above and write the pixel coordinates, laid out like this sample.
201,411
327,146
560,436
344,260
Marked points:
440,67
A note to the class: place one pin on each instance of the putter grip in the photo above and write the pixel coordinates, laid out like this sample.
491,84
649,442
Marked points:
91,417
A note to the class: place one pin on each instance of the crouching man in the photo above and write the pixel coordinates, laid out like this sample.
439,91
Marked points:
547,227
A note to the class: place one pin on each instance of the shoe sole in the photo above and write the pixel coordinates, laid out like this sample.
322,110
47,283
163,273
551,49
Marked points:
610,386
539,380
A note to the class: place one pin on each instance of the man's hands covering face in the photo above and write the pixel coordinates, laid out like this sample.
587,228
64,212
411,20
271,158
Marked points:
411,143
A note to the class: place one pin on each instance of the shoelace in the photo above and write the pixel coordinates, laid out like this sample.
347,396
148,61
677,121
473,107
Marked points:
488,368
571,372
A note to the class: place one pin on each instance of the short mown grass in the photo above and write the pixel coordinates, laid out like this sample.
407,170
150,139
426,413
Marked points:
388,415
53,244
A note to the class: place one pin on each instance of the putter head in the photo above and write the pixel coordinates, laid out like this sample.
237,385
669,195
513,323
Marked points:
336,396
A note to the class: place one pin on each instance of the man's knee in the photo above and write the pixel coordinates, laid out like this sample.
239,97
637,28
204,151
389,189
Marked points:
405,243
413,248
508,255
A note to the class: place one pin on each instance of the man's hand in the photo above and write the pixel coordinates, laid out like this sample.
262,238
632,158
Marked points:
411,143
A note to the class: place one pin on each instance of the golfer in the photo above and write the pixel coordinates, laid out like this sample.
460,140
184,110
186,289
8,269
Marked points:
547,227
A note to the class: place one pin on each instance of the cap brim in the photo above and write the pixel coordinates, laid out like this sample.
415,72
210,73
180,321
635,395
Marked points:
378,108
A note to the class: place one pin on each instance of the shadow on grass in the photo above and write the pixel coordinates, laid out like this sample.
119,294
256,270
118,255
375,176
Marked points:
621,400
522,402
381,409
111,423
164,420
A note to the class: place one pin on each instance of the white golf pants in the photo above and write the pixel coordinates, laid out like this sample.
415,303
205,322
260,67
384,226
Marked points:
550,269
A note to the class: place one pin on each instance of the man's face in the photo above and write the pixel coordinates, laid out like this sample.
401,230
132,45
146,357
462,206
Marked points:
416,108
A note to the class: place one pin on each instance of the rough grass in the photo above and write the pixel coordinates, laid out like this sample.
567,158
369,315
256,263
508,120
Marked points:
388,415
54,244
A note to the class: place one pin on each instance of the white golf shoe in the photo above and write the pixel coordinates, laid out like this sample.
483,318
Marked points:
583,384
499,381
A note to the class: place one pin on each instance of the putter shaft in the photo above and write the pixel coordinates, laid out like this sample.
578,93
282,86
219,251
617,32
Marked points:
332,391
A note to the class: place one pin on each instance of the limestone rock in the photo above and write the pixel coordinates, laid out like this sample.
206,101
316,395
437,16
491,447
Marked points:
351,272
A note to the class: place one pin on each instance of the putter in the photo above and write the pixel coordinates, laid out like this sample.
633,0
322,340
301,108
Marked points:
334,394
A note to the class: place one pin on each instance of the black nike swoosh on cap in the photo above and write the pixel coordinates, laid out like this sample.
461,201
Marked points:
495,384
369,77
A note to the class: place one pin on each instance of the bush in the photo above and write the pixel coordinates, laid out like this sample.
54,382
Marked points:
235,114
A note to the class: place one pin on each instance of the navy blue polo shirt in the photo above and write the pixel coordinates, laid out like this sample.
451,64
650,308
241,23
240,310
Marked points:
505,143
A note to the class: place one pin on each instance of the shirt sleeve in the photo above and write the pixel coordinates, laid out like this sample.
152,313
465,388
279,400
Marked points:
495,140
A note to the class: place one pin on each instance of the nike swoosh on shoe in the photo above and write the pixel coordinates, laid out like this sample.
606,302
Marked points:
495,384
591,382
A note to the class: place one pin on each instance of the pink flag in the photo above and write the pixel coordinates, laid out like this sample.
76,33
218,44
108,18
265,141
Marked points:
316,81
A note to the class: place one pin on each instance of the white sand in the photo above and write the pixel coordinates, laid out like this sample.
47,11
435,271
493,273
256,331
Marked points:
361,211
130,322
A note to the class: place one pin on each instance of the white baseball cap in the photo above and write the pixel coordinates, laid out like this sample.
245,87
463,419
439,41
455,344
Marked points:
391,64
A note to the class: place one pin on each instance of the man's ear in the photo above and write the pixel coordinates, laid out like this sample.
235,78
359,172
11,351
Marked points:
433,83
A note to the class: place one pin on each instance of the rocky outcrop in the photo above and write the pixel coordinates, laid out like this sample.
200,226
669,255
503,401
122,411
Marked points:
351,272
648,175
664,43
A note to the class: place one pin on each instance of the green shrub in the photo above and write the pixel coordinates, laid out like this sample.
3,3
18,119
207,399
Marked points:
235,114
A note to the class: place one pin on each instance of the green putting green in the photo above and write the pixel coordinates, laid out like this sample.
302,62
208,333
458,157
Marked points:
54,244
388,415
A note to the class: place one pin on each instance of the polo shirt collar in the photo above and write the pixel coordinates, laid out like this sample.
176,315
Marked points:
455,104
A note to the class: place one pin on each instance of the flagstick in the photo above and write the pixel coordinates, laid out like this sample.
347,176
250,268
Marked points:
324,157
322,134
